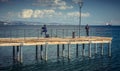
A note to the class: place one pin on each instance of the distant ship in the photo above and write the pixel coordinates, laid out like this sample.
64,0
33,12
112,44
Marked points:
108,24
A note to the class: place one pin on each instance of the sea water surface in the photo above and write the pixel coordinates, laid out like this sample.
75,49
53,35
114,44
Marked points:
95,63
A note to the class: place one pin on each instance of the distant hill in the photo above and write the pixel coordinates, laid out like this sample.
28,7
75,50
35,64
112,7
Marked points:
26,23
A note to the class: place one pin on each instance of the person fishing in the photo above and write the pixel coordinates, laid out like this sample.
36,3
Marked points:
44,30
87,30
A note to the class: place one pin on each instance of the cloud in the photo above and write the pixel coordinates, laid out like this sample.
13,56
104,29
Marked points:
65,7
76,14
27,13
54,4
77,1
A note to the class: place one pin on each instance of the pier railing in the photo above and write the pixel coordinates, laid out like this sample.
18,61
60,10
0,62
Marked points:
62,33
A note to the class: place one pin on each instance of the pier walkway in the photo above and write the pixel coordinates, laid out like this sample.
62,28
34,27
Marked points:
18,43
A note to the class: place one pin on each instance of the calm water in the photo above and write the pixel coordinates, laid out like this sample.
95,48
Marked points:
96,63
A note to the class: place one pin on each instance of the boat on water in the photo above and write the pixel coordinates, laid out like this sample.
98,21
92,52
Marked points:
108,24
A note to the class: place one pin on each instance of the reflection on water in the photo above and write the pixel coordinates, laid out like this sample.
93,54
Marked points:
76,64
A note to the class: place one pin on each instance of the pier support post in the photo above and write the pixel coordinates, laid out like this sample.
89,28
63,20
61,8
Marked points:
21,60
36,52
101,48
18,54
13,54
89,50
57,50
63,48
41,52
83,50
95,48
76,50
46,45
69,50
109,49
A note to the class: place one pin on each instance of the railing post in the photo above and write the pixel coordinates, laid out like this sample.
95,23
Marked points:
66,32
38,33
63,33
56,33
24,34
51,33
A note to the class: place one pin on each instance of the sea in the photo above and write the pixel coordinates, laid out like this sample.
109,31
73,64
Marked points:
97,62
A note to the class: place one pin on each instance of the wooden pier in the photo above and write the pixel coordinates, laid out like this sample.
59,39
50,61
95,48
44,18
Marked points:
18,44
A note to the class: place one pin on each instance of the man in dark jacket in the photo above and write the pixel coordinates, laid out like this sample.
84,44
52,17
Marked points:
44,29
87,30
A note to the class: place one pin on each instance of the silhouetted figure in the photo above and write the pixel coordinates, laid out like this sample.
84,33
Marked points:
87,30
44,30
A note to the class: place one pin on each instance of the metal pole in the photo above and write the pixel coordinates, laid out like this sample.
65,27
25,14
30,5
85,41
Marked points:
38,33
79,19
56,33
24,34
63,33
51,33
80,6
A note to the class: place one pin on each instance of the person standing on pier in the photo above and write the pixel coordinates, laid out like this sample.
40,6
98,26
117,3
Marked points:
87,30
44,30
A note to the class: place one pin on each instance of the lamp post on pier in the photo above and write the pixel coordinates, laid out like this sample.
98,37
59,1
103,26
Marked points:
80,3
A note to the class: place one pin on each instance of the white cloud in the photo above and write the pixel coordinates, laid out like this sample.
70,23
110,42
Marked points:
77,1
76,14
27,13
54,4
65,7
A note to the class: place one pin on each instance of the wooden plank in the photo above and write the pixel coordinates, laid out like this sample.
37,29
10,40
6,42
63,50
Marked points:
53,40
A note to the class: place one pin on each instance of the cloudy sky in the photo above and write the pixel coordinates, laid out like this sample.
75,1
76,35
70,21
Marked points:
94,12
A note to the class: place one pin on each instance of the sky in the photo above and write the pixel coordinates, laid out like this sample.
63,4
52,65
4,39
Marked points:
93,12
